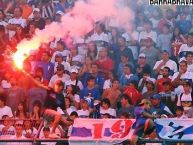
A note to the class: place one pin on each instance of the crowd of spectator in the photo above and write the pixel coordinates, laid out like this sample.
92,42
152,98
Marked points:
106,74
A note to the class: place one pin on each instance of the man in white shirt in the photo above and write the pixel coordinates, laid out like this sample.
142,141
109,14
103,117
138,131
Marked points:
148,32
181,75
15,21
4,110
74,79
18,134
189,59
186,47
165,62
60,75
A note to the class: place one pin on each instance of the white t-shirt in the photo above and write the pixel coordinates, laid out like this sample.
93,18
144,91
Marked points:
6,110
66,66
83,113
186,75
99,37
151,34
70,82
19,21
14,137
55,78
185,47
107,84
64,53
109,111
190,67
170,63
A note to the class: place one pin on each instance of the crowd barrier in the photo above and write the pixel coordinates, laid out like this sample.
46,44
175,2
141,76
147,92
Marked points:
111,122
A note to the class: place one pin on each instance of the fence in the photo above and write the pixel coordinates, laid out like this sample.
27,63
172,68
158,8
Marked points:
64,141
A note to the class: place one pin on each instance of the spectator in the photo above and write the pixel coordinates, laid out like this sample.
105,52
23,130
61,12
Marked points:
48,67
21,112
84,109
189,59
158,107
72,93
183,24
152,54
74,80
109,80
126,107
188,47
123,49
29,131
90,92
180,113
124,61
128,76
2,19
142,66
148,32
86,68
61,5
165,77
150,86
185,99
46,135
99,79
112,93
36,112
60,75
105,108
182,74
105,63
75,59
177,40
69,108
3,39
15,92
6,128
132,91
15,21
18,133
164,39
92,50
60,49
165,62
37,20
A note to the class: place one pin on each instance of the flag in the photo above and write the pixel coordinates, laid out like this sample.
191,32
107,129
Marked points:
100,131
173,129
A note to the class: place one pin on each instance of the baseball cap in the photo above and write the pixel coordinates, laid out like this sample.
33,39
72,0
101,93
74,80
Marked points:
150,80
74,70
59,55
187,82
59,13
142,55
60,66
19,122
156,96
36,10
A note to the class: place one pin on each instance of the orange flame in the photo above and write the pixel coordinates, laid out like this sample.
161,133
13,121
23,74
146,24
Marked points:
23,51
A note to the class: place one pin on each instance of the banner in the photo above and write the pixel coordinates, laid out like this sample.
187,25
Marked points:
100,131
174,129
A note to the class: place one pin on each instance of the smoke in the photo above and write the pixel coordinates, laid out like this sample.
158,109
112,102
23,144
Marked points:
76,23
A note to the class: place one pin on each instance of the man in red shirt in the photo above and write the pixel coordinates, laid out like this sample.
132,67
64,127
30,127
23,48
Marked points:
159,82
104,62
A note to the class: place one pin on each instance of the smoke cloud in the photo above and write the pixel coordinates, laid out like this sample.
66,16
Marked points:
76,23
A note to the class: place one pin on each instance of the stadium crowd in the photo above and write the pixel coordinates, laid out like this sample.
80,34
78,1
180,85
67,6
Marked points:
110,73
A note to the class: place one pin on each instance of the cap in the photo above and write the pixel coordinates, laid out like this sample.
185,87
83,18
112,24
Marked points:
60,66
74,70
59,55
144,101
156,96
187,82
148,37
59,13
20,122
142,55
36,10
150,80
